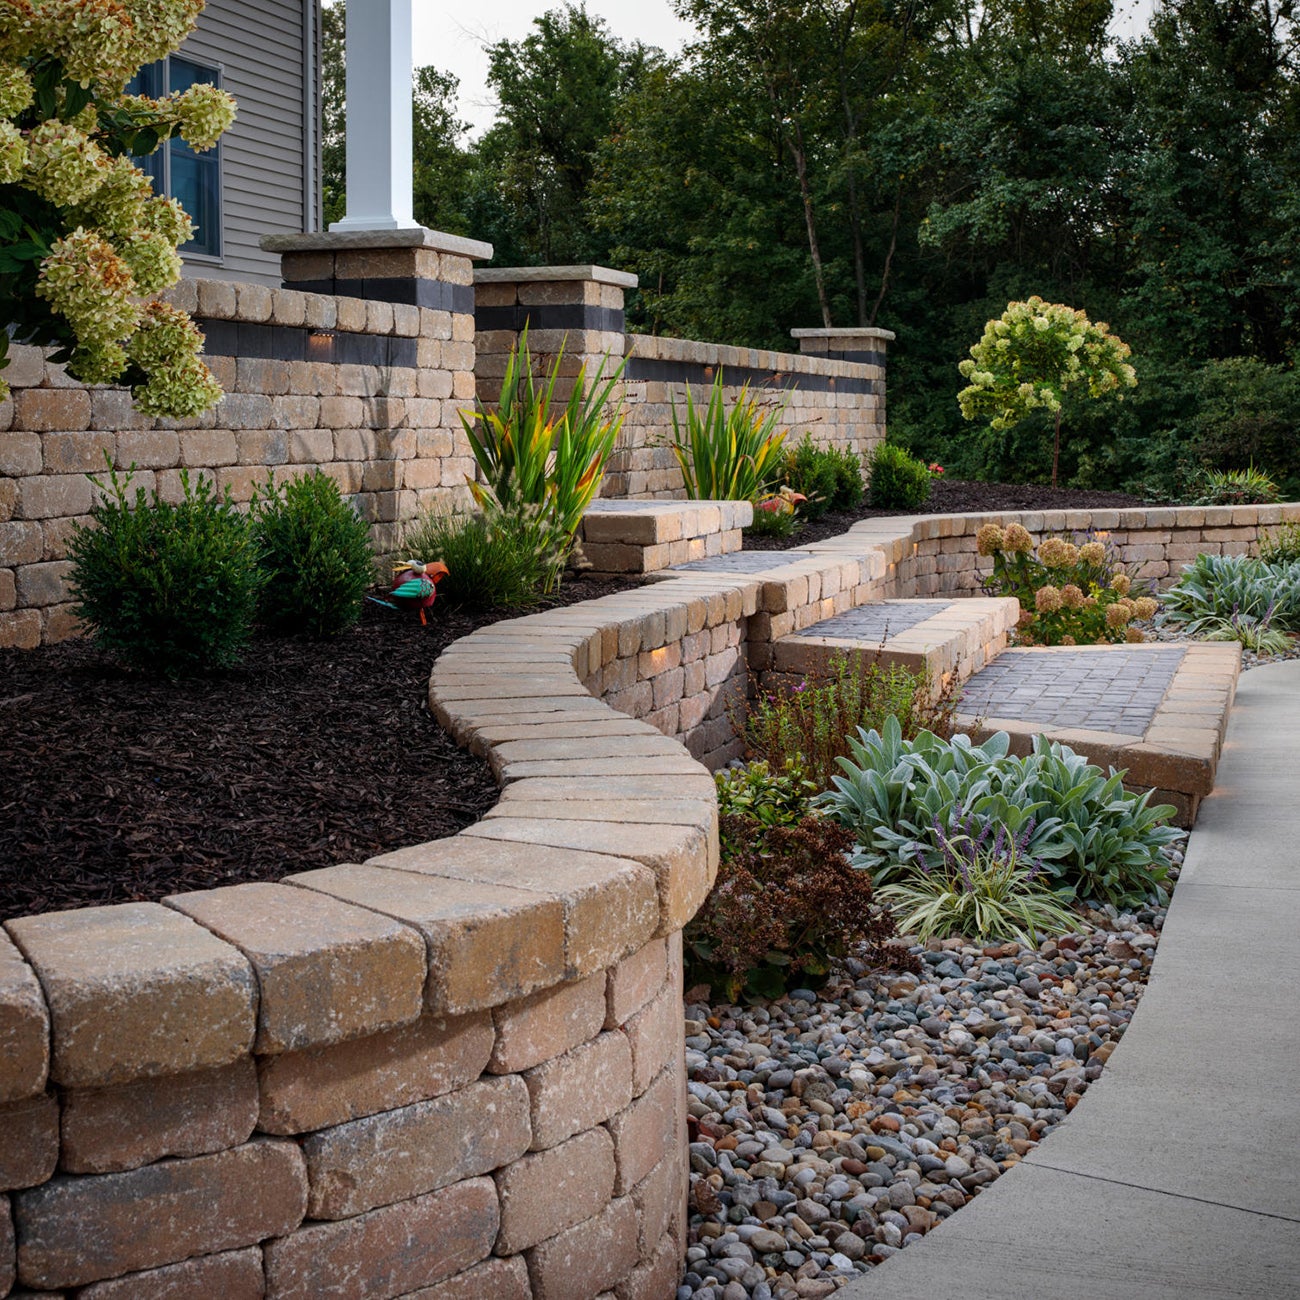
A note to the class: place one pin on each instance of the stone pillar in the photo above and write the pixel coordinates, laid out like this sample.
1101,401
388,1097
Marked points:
863,346
379,148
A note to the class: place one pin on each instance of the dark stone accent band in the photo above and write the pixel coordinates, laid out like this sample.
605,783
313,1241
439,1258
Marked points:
859,358
228,338
436,295
698,374
554,316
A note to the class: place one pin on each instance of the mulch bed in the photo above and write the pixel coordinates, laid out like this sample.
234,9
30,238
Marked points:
117,788
953,497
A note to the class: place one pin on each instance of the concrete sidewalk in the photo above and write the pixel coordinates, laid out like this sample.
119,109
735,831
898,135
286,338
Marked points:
1178,1176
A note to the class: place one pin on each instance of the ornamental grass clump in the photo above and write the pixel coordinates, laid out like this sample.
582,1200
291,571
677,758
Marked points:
785,906
169,588
1069,593
1237,487
1095,839
315,551
980,885
84,240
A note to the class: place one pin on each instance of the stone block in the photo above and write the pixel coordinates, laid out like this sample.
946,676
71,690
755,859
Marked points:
7,1247
390,1251
326,971
230,1275
583,1087
74,1230
548,1191
656,1036
150,448
301,1091
24,1025
135,991
109,1130
547,1024
46,410
656,1277
76,453
647,1131
43,584
587,1258
53,496
20,630
486,943
634,981
495,1279
29,1141
403,1153
658,1197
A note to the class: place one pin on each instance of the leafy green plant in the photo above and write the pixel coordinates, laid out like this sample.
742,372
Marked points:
1237,487
896,480
169,588
543,463
786,904
1094,838
805,730
769,798
849,489
777,514
1032,356
1069,594
727,454
814,473
315,552
979,887
494,561
1281,546
1237,598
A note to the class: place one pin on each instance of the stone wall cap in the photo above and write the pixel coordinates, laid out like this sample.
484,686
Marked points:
339,241
543,274
846,332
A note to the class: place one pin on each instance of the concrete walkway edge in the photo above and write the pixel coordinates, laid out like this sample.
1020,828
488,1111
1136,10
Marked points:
1178,1175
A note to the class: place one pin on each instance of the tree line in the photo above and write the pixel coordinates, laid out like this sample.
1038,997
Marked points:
915,165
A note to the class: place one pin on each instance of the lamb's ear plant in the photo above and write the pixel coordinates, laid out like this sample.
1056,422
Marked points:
727,453
1219,595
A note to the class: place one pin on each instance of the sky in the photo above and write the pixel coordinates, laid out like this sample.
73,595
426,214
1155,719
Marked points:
452,36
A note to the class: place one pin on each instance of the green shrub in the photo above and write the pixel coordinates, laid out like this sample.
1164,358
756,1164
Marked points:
1237,487
805,730
494,561
978,887
168,588
785,905
1281,545
814,473
1094,839
727,455
315,552
1237,598
896,481
848,480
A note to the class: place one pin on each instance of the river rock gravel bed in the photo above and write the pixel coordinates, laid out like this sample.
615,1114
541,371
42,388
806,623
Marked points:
830,1129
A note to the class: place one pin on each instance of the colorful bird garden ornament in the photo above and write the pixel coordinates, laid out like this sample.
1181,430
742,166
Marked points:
415,586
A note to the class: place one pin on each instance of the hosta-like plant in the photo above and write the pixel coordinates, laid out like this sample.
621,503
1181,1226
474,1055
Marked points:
1094,838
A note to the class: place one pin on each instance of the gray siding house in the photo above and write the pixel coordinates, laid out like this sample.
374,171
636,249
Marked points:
264,177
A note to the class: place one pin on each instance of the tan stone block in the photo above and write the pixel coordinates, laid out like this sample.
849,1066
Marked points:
208,448
609,904
589,1257
137,990
657,1277
8,499
7,1248
647,1131
583,1087
326,971
20,630
549,1191
150,448
230,1275
8,589
75,1230
547,1024
390,1251
29,1141
658,1197
22,541
239,411
76,453
261,375
495,1279
43,584
43,410
26,368
108,1130
486,943
656,1034
218,299
634,981
399,1154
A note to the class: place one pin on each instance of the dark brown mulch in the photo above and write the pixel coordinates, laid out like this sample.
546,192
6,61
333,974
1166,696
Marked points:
116,788
953,497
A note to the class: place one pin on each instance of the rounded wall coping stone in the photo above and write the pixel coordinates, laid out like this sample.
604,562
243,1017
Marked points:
550,274
656,347
846,332
335,241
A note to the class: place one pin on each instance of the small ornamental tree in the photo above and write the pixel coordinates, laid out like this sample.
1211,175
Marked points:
84,240
1031,356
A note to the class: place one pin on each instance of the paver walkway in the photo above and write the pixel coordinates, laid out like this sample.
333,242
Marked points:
1178,1176
1103,688
744,562
874,622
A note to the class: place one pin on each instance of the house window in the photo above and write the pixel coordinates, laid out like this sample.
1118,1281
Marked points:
177,170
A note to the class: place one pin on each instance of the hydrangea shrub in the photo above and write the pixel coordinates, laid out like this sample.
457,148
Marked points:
85,242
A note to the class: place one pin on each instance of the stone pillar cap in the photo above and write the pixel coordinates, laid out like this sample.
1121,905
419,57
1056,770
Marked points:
535,274
335,241
846,332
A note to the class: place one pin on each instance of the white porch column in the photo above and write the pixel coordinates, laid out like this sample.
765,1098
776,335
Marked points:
379,165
